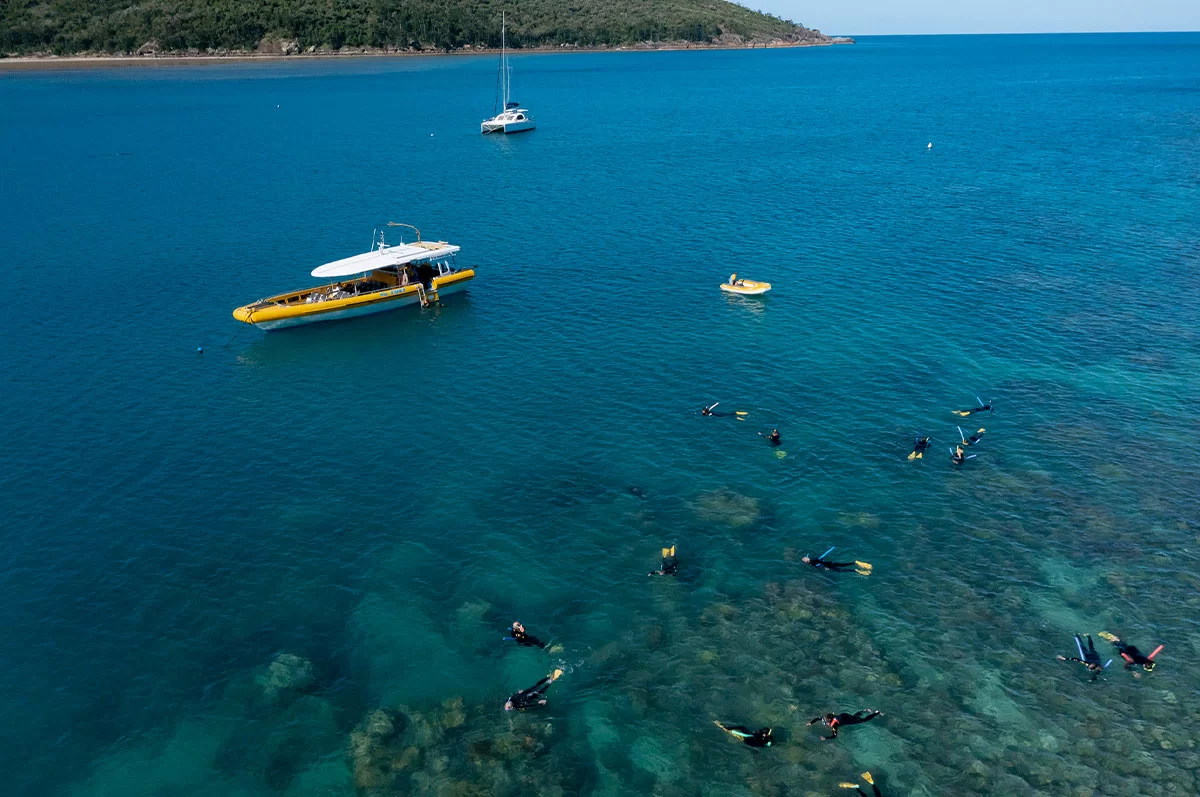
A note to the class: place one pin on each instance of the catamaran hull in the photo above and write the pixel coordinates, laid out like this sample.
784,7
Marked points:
353,312
506,127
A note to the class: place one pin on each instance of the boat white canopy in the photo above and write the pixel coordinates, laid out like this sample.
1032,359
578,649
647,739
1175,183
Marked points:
385,257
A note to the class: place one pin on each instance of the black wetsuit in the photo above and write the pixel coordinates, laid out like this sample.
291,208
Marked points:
1133,656
773,438
670,566
533,696
525,640
984,408
834,721
1091,659
758,738
958,457
920,445
972,440
874,789
837,567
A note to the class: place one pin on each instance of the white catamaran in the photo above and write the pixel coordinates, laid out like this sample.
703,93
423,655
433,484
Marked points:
513,118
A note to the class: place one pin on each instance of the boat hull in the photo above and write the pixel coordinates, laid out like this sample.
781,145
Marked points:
747,287
507,127
270,318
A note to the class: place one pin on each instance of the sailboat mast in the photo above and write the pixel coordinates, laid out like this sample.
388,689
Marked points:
504,58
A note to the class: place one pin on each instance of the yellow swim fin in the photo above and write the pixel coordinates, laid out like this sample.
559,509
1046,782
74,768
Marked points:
1108,636
556,675
912,456
961,413
867,777
780,454
981,431
863,572
920,455
847,785
863,565
742,413
672,550
666,552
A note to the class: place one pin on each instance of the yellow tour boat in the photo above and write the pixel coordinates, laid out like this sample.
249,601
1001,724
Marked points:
384,278
745,287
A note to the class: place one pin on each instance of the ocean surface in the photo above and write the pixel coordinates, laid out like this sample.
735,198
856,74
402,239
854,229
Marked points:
284,565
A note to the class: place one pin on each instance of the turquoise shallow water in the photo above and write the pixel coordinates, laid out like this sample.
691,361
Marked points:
382,496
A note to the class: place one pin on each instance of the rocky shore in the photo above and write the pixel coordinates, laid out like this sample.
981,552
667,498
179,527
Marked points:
151,53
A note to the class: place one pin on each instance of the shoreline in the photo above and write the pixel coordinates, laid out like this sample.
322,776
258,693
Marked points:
34,63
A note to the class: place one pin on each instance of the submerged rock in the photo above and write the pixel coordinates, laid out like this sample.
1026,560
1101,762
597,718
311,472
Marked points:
727,507
287,675
376,753
453,714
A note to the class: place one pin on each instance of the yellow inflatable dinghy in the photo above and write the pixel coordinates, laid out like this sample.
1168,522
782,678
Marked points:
745,287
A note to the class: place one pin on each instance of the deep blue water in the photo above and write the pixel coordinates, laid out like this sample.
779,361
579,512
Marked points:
383,496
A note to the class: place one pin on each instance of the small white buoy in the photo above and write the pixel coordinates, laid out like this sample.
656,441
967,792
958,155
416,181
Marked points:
431,135
200,349
930,145
276,106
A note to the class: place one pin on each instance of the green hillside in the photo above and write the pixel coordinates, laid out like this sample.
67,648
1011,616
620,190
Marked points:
124,26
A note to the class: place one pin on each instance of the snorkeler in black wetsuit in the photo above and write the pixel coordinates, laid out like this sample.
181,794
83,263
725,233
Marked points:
821,563
919,446
1088,658
981,408
835,721
670,565
1131,654
973,439
711,412
869,779
959,456
517,634
759,738
532,697
772,438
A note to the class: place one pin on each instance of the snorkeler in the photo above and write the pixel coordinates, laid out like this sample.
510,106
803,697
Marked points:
517,634
869,779
973,439
1131,654
981,408
1088,658
821,563
772,438
919,446
759,738
532,697
958,455
670,565
711,411
835,721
